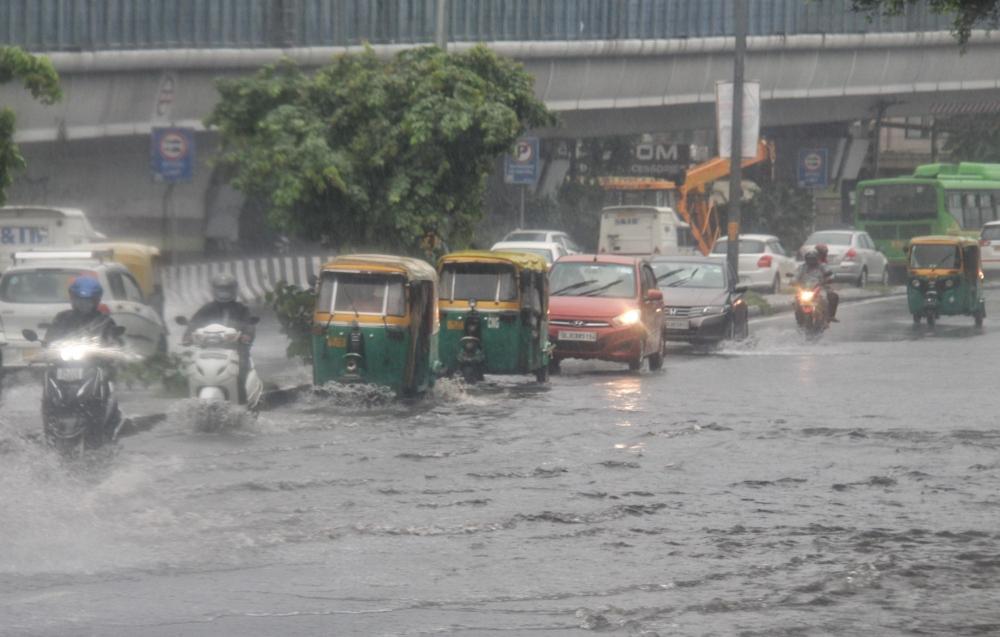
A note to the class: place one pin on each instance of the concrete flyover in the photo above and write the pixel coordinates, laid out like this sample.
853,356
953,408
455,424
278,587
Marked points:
599,87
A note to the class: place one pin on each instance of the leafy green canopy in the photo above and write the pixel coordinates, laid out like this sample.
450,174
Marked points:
39,77
369,151
968,14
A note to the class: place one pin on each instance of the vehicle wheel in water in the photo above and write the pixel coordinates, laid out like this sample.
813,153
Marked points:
776,284
885,276
863,278
916,319
636,363
978,316
931,320
542,374
470,374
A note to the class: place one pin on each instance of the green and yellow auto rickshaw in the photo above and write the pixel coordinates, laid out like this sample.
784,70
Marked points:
376,321
944,278
494,313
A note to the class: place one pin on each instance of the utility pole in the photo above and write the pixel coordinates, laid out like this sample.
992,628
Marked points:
441,25
736,144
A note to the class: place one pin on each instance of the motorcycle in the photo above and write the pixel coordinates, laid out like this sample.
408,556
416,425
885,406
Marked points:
212,366
79,410
812,310
471,358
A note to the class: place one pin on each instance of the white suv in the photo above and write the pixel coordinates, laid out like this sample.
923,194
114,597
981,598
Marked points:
542,236
35,289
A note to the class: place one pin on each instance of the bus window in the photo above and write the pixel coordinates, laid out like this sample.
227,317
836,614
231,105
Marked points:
955,205
970,211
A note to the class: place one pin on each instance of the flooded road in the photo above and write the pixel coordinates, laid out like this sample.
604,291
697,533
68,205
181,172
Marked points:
845,487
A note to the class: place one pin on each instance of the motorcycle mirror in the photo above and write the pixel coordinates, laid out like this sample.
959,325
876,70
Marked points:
180,320
254,320
29,335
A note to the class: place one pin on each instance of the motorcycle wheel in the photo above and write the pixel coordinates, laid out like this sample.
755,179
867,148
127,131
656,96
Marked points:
470,374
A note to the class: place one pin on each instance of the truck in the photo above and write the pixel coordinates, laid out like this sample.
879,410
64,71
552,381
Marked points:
23,227
644,230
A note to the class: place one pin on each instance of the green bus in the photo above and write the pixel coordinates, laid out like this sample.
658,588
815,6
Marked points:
938,199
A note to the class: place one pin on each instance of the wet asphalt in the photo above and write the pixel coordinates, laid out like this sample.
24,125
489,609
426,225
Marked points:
771,487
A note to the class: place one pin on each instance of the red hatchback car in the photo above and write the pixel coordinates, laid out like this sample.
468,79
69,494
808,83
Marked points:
605,307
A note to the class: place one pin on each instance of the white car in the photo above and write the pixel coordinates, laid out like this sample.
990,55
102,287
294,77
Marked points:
851,256
764,263
989,246
35,289
543,236
551,251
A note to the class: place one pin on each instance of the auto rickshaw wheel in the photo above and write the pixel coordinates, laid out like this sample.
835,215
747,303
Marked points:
542,374
554,366
978,316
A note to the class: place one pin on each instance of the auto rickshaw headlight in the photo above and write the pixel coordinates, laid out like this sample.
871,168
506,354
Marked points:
470,345
351,365
949,282
915,283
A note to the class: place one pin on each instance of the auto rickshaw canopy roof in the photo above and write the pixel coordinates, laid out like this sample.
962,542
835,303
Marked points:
520,260
413,269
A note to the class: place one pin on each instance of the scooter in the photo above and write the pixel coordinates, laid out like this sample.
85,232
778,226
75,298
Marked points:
213,366
79,410
811,310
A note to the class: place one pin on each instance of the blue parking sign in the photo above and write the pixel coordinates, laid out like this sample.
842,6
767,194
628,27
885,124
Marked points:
523,166
813,167
172,154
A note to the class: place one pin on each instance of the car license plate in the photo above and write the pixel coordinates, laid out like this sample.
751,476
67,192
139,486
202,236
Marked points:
676,325
69,373
589,337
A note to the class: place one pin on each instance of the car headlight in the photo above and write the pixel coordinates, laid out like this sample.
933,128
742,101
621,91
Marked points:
630,317
713,309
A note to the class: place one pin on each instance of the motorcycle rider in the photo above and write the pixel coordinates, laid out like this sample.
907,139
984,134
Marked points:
224,309
88,318
813,272
834,299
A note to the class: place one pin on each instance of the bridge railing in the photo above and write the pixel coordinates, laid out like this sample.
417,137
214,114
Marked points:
85,25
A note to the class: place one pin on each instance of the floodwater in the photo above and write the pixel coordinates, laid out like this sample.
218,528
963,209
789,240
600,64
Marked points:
775,487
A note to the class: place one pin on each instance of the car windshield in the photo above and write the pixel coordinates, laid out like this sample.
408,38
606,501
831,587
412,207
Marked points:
362,293
690,275
526,236
829,238
609,280
542,252
747,246
991,233
479,281
38,286
935,256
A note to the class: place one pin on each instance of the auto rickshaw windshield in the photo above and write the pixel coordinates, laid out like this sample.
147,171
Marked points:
362,293
480,281
935,256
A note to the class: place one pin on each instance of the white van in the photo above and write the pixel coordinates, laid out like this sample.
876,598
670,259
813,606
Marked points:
26,227
644,230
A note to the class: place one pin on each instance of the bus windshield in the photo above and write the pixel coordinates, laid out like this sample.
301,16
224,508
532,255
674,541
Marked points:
898,201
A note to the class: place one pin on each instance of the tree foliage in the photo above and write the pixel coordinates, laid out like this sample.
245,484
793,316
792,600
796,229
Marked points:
780,209
972,137
376,152
39,77
967,14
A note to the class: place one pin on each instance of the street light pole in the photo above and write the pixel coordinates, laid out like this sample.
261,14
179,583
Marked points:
441,25
736,143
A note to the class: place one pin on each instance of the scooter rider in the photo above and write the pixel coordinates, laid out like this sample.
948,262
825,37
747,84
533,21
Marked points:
224,309
823,251
813,272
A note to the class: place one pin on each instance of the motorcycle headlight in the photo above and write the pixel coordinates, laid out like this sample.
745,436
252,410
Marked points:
806,296
713,309
72,352
630,317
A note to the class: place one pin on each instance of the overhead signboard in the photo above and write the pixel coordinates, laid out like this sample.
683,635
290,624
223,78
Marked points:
724,118
172,154
813,167
523,167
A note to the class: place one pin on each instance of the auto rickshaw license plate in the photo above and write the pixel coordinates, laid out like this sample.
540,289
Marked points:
337,341
456,325
588,337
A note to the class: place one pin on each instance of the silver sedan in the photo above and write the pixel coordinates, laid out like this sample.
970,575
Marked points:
852,256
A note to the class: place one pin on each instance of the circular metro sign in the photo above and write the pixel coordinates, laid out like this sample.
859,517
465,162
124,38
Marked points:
173,146
812,161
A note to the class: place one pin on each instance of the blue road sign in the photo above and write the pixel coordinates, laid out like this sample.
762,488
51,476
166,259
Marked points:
523,166
813,167
172,154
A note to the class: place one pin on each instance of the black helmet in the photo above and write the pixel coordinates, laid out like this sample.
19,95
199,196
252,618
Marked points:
224,287
811,257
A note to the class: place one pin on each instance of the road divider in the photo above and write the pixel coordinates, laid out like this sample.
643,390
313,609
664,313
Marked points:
188,285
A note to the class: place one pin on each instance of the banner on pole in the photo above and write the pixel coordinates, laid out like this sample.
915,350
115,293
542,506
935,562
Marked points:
724,118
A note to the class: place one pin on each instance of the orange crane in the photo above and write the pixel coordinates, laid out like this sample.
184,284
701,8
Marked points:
693,200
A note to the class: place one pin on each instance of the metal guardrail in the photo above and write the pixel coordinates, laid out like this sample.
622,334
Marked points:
86,25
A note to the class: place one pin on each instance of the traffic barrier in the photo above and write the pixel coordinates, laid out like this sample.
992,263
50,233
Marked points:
189,285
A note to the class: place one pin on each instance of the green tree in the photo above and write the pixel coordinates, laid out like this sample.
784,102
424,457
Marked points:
39,77
780,209
374,152
967,14
972,137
